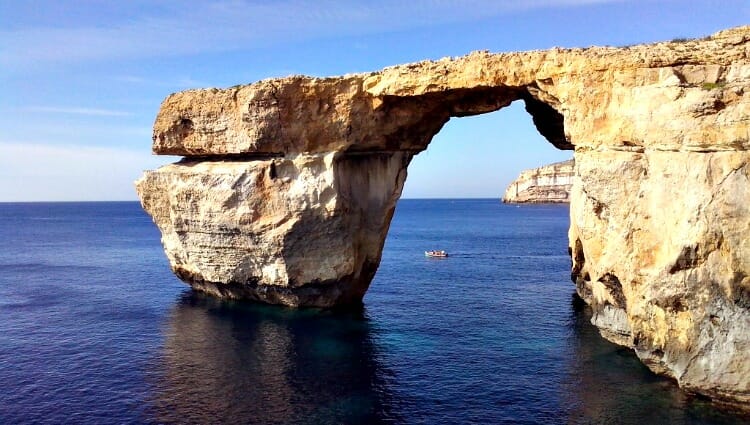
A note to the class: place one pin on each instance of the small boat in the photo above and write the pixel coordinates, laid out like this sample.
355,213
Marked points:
439,254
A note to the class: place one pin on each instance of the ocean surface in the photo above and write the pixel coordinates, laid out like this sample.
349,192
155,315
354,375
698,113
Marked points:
95,329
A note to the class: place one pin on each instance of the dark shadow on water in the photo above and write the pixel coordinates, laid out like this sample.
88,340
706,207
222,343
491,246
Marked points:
607,384
234,362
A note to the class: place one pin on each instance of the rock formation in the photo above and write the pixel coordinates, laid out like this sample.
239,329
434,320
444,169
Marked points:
549,184
288,185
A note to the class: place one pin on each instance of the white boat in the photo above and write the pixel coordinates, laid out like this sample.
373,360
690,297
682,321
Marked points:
440,254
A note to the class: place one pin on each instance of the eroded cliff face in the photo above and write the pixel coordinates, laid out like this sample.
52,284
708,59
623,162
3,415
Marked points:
306,230
663,257
288,185
550,183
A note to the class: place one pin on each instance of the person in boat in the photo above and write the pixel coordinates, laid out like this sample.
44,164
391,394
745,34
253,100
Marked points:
436,253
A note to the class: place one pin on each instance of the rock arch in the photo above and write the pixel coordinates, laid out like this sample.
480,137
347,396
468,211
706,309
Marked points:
288,185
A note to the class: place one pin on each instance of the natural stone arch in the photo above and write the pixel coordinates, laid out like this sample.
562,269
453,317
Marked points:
354,196
288,185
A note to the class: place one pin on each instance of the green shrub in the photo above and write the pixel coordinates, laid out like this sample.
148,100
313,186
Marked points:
711,86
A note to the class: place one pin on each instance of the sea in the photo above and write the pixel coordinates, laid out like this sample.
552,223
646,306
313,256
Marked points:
95,329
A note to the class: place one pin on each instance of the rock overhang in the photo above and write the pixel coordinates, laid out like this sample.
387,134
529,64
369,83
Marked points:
294,181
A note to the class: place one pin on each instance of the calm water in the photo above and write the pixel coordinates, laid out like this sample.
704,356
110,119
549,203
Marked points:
95,329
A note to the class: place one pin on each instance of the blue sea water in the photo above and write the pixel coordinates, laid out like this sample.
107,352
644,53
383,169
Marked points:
95,329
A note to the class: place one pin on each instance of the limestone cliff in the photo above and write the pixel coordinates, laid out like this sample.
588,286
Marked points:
288,185
543,185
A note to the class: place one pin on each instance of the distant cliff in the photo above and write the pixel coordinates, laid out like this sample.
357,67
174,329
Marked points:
548,184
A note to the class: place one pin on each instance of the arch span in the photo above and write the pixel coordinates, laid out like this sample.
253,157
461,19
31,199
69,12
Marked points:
288,185
299,217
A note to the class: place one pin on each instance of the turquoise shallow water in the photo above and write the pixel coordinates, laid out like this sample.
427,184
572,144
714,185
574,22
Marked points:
95,329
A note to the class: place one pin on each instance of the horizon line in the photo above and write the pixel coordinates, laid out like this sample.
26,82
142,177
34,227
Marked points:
136,200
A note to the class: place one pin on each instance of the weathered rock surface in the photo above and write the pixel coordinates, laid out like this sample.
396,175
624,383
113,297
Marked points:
288,185
296,231
548,184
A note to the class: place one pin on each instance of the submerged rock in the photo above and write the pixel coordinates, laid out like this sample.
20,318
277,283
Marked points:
549,184
288,185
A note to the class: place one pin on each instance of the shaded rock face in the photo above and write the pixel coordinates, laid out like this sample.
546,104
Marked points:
288,185
543,185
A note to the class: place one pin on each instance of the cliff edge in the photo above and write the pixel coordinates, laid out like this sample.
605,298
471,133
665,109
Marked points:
549,184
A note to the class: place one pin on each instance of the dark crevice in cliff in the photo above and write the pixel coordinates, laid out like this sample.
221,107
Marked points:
688,258
579,259
272,171
548,121
674,303
580,277
742,298
614,287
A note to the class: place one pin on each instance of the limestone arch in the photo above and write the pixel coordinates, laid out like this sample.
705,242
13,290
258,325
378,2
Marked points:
428,113
271,165
432,112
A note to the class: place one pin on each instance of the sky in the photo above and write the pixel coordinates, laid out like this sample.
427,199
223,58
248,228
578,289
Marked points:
81,81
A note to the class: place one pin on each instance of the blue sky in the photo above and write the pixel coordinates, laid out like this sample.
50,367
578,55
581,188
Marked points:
81,81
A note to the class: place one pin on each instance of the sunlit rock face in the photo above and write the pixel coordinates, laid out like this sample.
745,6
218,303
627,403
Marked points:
542,185
303,230
288,185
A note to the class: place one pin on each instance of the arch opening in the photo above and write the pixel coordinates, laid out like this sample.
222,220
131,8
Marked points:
487,141
412,121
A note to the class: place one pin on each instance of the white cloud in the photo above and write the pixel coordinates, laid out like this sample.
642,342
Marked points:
188,28
78,111
45,172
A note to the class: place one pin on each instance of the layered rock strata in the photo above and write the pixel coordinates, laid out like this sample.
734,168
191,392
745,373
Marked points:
288,185
549,184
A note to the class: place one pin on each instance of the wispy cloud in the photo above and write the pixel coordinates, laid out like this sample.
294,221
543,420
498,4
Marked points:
236,24
78,111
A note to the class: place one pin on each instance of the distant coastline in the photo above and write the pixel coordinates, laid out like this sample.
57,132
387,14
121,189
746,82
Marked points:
549,184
